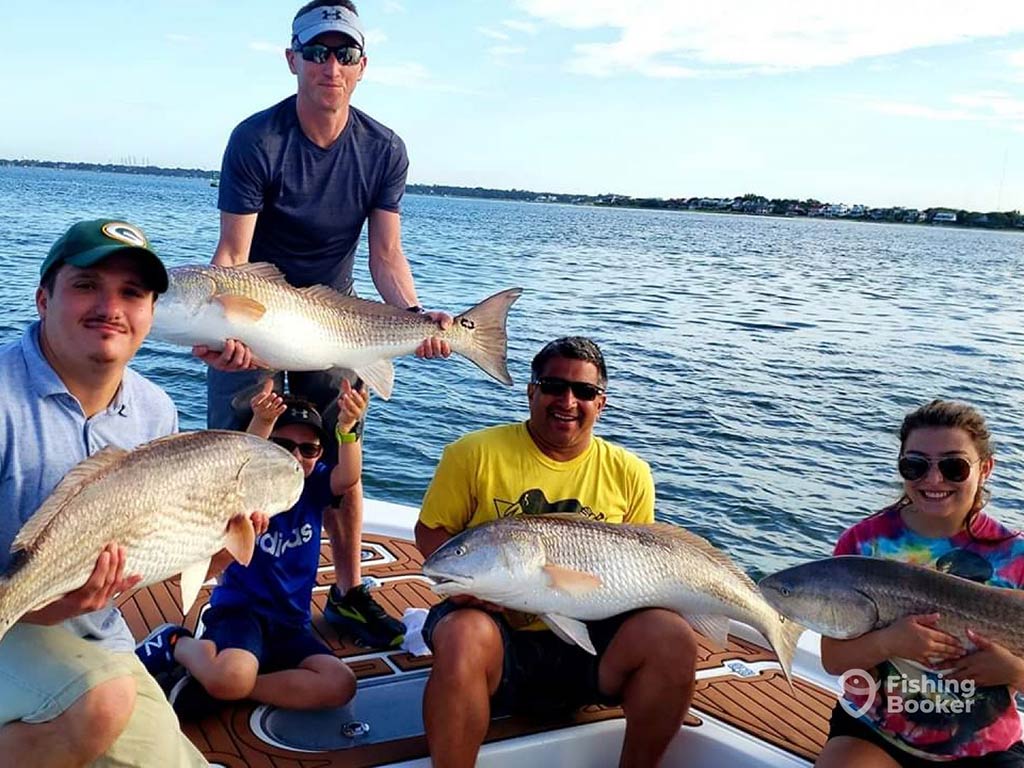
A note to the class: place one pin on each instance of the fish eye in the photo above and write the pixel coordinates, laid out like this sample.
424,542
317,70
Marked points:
785,591
460,550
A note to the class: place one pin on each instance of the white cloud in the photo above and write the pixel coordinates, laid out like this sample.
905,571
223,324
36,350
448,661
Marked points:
502,51
263,47
409,74
667,38
494,34
392,6
987,107
520,26
375,37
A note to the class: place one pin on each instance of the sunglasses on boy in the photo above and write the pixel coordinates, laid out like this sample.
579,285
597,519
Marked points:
347,55
556,387
306,450
955,469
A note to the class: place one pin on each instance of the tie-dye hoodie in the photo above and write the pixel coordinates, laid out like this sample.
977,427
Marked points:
989,721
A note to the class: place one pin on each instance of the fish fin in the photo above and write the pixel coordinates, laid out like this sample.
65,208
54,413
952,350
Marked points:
240,309
262,269
72,484
241,539
572,631
705,547
240,402
783,637
192,579
379,376
486,343
571,581
714,627
909,667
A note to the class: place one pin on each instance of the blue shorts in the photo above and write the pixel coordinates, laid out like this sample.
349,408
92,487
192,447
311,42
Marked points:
542,674
275,645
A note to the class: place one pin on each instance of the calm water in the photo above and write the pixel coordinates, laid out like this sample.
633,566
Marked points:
762,366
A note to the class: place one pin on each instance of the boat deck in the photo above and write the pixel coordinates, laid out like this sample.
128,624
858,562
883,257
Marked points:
740,685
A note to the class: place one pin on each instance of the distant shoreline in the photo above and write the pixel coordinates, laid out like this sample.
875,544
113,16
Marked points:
746,204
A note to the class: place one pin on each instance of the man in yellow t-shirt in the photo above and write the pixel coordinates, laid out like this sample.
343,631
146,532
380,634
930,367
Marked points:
552,463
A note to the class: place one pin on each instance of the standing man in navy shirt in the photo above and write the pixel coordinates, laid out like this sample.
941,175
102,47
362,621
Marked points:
298,182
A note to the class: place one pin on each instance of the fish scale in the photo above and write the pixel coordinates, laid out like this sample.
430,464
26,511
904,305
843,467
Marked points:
168,503
847,596
569,567
317,328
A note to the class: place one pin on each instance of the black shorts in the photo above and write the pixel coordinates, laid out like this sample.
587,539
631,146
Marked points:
842,724
275,645
542,674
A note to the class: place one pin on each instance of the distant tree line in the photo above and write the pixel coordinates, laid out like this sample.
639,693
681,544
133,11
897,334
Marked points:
750,204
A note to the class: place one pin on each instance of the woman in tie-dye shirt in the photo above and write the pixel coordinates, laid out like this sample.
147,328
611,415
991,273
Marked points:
916,716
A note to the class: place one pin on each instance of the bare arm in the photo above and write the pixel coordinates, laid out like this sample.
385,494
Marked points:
267,406
393,279
236,231
388,266
105,583
352,405
428,539
912,637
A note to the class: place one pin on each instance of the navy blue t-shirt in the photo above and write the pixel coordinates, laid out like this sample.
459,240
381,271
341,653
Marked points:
279,580
312,202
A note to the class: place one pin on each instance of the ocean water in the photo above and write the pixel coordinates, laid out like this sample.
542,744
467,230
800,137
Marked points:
762,366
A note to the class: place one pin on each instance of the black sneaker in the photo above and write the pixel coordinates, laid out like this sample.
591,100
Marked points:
156,651
362,618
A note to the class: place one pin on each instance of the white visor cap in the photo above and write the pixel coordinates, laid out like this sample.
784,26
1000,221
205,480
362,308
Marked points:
328,18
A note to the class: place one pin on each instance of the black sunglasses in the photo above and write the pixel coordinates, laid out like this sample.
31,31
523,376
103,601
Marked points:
556,387
347,55
308,450
953,468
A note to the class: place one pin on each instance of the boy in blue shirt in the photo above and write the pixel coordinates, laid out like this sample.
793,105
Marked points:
258,641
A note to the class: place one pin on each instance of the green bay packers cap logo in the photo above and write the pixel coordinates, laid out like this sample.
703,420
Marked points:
125,233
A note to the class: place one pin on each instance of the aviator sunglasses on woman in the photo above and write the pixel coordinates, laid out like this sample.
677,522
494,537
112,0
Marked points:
955,469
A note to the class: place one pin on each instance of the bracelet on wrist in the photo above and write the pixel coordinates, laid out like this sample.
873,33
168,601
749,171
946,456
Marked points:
415,308
346,437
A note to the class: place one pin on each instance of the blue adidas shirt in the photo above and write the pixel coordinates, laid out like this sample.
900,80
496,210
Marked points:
279,580
44,433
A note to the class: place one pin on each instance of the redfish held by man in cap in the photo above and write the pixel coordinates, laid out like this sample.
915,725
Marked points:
567,569
317,328
172,503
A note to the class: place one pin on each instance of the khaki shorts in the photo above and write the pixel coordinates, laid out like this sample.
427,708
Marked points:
44,670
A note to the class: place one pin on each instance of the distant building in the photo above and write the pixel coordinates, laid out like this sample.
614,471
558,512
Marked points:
944,217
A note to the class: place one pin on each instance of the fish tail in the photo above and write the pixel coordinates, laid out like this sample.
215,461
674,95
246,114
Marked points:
481,335
783,635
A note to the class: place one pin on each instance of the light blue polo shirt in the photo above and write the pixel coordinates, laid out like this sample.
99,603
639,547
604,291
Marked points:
44,433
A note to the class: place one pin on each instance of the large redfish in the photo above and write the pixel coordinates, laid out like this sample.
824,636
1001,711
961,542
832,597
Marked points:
317,328
568,569
172,503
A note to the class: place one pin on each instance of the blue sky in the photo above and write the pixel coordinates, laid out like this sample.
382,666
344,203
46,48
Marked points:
879,103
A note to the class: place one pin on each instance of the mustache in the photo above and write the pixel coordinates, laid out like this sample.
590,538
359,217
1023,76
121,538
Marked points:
106,320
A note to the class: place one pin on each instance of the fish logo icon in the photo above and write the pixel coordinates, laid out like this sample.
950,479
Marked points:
858,682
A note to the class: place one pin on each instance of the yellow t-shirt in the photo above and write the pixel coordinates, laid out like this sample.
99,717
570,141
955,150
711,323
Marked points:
500,472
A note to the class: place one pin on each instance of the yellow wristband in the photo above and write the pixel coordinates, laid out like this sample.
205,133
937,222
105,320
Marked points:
345,437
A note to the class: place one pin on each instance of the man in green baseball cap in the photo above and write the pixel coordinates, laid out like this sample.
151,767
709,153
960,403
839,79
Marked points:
72,691
89,242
